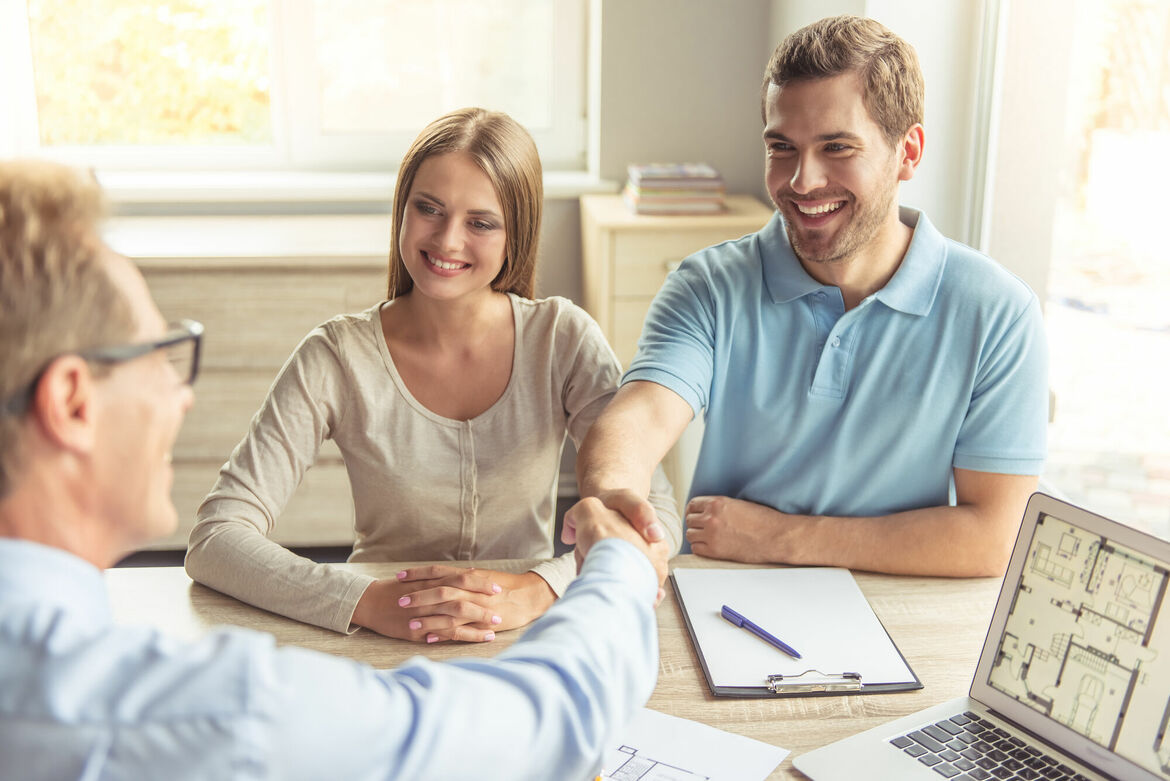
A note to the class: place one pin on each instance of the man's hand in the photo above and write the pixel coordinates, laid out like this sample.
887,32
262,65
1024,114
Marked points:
720,527
441,602
592,521
635,509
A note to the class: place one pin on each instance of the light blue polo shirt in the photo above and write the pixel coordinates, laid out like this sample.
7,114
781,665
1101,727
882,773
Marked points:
814,410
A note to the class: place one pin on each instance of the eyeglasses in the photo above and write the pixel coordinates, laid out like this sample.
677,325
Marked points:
182,343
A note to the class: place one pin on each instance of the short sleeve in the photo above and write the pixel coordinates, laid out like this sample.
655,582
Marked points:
677,346
1005,429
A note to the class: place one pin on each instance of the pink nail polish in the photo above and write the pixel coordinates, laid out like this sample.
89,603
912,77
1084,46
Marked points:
489,636
401,575
497,620
416,624
404,601
432,638
496,588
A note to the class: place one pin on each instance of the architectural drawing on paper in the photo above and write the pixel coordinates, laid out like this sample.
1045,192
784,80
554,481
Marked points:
624,764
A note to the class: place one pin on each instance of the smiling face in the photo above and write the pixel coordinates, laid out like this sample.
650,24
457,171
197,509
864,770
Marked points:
829,170
453,238
142,405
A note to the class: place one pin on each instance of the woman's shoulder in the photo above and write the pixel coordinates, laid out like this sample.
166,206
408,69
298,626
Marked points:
555,312
350,334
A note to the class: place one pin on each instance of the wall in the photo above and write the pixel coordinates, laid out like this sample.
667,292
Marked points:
677,80
946,36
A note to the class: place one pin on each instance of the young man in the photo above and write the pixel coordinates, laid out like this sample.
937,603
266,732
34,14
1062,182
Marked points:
94,388
854,366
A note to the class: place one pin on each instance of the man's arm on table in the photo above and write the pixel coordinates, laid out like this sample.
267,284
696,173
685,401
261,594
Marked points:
548,706
973,538
623,448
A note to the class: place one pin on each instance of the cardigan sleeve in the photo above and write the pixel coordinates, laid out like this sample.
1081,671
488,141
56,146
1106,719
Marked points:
230,549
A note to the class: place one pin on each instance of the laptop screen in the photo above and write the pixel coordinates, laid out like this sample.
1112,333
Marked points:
1086,640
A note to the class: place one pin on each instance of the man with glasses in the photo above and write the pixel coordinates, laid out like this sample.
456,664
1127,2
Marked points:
93,391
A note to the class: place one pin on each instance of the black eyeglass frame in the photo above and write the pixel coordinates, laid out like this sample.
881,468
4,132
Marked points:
177,333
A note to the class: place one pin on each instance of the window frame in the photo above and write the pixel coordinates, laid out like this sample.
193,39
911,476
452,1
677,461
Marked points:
298,144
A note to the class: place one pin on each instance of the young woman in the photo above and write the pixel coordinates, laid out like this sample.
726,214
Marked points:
449,402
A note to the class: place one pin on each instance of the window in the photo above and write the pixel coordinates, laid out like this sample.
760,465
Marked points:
331,85
1102,127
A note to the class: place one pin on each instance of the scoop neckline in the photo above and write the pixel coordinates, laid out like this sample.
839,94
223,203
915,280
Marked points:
418,406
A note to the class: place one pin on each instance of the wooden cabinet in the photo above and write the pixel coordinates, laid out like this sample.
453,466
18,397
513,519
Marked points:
627,256
258,285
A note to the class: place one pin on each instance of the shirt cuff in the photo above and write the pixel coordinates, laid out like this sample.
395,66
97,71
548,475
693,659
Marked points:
619,559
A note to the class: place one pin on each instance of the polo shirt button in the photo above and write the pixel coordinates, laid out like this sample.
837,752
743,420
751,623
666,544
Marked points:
836,341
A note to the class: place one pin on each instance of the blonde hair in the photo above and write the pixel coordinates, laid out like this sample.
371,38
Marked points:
893,90
55,294
507,155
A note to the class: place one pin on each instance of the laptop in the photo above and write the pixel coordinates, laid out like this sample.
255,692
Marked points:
1074,678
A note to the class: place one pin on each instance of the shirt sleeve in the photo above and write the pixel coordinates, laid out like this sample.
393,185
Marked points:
546,707
1005,428
229,548
677,347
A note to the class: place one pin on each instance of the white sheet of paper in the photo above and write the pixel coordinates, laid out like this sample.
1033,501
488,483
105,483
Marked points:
658,747
819,611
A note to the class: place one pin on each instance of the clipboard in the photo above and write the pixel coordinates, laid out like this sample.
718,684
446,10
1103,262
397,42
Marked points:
820,611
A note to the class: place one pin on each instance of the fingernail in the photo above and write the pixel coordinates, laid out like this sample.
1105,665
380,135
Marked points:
654,531
401,575
432,638
496,588
403,602
497,620
416,624
489,636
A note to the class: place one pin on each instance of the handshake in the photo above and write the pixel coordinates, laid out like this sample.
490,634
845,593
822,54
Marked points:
621,514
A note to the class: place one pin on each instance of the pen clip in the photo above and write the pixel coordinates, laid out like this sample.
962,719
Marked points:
814,681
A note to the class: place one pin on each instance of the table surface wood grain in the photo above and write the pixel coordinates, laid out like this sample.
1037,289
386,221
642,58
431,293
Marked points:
938,624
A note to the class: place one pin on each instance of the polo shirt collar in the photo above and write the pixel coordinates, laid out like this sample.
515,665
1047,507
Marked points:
785,277
911,290
914,285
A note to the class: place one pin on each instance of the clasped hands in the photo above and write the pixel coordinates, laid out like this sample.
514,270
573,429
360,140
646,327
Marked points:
440,602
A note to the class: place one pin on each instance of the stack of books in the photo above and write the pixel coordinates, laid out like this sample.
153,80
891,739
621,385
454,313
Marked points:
674,188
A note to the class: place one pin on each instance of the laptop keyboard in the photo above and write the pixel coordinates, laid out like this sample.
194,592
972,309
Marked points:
968,747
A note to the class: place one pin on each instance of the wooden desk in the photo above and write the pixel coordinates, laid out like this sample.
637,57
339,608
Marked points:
938,624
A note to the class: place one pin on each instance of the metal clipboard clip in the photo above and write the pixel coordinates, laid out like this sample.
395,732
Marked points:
814,681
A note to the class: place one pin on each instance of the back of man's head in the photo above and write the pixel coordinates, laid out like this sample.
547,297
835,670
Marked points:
891,78
55,294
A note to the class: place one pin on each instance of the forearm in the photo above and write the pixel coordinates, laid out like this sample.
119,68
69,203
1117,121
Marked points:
630,438
233,557
951,541
612,458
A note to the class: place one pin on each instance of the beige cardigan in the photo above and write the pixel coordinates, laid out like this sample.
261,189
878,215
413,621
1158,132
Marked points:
424,487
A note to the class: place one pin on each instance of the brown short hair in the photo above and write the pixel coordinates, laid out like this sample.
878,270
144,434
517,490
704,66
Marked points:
55,293
891,78
507,155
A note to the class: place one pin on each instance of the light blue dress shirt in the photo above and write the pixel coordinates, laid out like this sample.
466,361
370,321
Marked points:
810,409
81,698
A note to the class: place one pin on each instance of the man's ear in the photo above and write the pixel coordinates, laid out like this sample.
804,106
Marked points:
910,152
64,404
